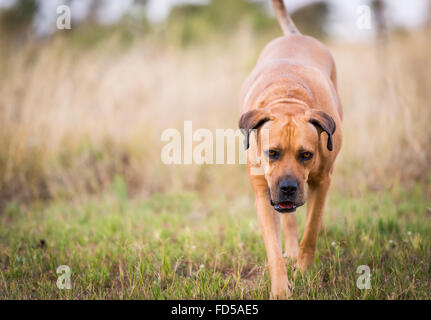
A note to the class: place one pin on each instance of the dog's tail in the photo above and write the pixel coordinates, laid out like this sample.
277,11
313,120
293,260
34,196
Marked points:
283,18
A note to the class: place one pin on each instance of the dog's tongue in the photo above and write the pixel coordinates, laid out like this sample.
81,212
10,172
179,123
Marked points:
286,205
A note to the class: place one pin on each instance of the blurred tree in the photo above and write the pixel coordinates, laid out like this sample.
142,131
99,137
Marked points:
89,33
383,56
15,22
379,7
311,19
190,23
429,16
93,9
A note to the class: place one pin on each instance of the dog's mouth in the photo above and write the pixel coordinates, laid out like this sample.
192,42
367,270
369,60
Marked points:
285,207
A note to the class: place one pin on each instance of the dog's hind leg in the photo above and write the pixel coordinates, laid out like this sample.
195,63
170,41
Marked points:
290,230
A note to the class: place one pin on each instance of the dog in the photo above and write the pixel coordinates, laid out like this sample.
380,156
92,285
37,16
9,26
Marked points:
292,96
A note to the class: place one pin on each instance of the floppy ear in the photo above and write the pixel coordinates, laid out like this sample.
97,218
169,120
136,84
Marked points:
250,120
324,122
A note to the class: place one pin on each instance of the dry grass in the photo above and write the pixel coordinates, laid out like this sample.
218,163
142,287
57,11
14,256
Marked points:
72,119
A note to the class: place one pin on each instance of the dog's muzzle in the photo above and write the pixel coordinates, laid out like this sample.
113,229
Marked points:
287,196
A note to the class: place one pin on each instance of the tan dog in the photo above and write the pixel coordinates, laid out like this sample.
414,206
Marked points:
292,95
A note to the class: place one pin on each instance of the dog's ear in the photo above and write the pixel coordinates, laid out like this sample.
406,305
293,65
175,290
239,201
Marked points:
324,122
250,120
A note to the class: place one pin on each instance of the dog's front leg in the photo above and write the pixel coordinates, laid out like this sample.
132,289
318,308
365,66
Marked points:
316,203
290,230
269,221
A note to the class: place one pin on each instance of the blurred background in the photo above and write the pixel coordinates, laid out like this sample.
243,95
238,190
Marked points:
86,106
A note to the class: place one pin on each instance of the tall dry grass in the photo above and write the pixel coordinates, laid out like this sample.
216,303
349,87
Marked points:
73,119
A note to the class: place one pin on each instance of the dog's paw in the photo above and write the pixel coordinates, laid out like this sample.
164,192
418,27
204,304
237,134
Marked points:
281,290
291,253
305,260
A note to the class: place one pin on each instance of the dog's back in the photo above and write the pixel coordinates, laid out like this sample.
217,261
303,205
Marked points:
301,50
291,56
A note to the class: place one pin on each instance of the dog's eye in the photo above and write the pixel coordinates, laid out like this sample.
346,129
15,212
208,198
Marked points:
306,156
273,154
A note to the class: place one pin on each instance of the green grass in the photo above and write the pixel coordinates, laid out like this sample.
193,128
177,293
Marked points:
183,246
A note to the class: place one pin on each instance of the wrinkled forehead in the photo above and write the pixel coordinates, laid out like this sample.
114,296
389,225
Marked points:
289,133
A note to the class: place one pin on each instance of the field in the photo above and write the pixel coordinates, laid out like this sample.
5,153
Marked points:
178,246
82,184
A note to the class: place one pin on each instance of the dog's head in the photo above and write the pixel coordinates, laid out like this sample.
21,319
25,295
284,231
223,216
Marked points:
290,150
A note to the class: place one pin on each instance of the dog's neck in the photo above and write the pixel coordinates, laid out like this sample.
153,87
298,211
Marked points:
286,101
284,92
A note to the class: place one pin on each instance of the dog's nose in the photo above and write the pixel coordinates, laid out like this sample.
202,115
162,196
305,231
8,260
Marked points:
288,186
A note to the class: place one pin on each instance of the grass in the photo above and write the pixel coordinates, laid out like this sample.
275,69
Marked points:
180,246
